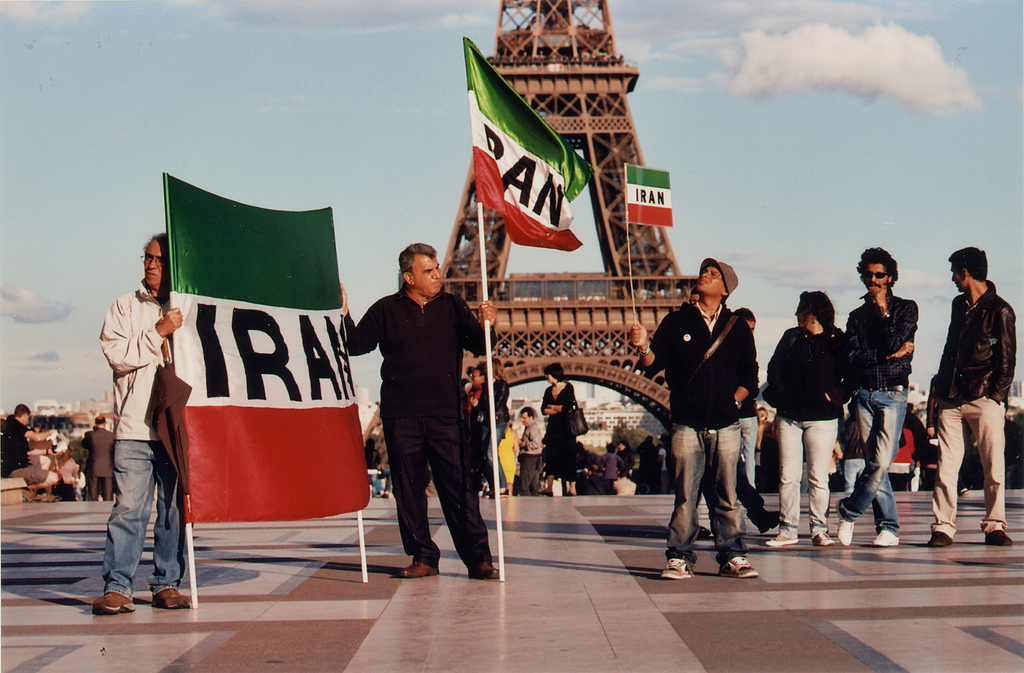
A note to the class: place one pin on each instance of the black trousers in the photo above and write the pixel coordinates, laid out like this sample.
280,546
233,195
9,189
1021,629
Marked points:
97,486
529,474
419,448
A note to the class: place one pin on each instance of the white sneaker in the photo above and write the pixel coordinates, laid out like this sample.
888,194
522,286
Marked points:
845,532
782,540
886,539
822,540
676,569
738,567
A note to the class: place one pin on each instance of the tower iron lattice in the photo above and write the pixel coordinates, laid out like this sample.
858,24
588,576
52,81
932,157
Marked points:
560,56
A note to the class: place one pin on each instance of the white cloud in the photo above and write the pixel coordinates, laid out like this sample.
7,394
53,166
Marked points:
50,13
697,24
884,60
25,306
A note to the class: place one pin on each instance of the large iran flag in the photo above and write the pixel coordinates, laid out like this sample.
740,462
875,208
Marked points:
272,421
524,170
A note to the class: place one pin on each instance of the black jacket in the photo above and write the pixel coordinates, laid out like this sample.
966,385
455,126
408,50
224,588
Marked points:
422,349
981,349
708,400
805,376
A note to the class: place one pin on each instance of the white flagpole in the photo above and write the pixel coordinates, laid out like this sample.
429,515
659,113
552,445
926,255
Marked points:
362,545
192,565
359,513
482,248
187,503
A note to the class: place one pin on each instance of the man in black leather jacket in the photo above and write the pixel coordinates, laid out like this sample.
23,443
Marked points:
971,387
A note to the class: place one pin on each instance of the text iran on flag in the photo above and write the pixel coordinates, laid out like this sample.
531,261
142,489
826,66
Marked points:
272,421
524,170
648,196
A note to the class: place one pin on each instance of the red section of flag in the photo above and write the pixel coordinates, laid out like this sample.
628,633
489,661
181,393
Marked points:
258,464
521,229
637,213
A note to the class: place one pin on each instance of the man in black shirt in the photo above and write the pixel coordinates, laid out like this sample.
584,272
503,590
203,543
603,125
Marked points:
422,332
14,451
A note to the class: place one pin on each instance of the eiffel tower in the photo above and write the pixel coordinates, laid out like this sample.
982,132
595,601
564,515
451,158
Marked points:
560,56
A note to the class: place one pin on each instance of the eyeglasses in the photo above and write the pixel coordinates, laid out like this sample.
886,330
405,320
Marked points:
877,275
147,258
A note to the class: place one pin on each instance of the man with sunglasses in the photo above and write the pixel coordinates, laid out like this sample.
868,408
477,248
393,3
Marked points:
880,346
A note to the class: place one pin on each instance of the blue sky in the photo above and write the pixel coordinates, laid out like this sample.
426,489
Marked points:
797,133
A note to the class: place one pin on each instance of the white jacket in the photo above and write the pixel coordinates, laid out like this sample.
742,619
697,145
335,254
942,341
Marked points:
132,348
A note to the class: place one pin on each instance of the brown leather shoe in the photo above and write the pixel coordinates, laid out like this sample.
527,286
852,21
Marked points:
939,539
417,569
112,603
998,538
170,599
484,571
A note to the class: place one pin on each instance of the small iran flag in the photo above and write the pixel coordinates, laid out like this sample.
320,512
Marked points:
648,196
524,170
272,420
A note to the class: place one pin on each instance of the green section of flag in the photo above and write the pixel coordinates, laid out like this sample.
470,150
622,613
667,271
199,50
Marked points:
648,177
504,107
228,250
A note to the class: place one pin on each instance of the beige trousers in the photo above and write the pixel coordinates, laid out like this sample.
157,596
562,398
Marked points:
985,418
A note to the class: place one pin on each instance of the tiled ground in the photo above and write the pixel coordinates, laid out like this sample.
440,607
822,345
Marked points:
581,593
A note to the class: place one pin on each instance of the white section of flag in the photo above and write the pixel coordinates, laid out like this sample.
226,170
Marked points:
513,151
191,368
648,196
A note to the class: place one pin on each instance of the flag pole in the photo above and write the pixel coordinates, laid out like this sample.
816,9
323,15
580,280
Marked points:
359,513
362,545
495,464
629,251
186,500
189,542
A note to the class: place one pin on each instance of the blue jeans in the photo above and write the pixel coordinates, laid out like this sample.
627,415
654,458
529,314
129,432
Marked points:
706,461
880,414
138,468
813,441
852,467
748,447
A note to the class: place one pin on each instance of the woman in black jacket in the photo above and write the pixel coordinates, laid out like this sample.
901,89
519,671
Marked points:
805,385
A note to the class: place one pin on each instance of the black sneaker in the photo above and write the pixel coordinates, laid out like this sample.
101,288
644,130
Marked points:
998,538
939,539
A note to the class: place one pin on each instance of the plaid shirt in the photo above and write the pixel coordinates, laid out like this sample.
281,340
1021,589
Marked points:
871,338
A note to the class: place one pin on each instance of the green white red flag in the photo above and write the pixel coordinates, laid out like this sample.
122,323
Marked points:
523,168
272,420
648,196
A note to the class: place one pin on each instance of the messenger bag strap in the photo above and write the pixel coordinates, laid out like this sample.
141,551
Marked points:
714,347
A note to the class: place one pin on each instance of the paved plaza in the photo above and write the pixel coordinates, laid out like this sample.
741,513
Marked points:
582,593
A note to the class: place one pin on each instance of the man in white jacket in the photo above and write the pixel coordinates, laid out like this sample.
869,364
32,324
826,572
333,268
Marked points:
132,338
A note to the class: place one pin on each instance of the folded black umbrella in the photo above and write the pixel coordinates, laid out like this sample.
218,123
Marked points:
170,394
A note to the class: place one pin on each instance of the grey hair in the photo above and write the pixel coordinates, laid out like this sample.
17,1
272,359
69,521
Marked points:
160,238
406,256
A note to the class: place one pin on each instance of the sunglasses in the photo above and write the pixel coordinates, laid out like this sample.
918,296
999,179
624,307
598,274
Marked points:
877,275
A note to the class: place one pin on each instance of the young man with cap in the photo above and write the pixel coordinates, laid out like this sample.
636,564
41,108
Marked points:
710,365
